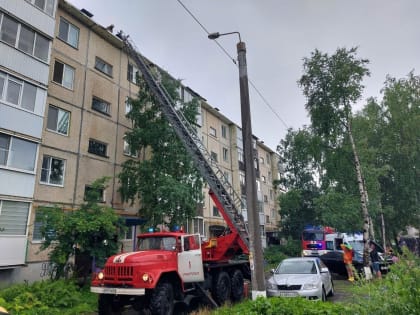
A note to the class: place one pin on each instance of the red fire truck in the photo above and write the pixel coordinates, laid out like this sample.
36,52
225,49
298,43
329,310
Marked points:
175,266
314,240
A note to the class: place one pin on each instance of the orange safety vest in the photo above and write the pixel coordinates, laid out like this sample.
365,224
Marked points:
347,255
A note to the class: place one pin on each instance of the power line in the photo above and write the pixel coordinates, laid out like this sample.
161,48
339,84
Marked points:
234,61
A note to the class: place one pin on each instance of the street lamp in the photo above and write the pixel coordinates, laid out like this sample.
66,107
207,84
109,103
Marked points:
255,245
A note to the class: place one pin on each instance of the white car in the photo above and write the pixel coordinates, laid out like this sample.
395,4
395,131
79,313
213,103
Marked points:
304,276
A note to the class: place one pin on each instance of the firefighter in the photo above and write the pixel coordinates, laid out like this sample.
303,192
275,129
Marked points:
348,260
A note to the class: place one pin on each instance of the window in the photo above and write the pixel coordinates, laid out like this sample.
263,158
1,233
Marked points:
240,155
128,150
242,178
9,29
270,177
63,74
132,73
97,147
268,159
271,194
263,179
265,198
17,153
128,105
58,120
225,154
42,47
261,160
101,105
38,223
95,194
52,171
24,38
13,217
127,234
198,225
17,92
103,66
68,33
224,131
216,212
45,5
212,132
213,156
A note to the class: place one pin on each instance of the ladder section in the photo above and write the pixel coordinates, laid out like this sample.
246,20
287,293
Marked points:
229,200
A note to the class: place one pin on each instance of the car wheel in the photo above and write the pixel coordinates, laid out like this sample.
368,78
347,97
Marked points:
324,296
331,293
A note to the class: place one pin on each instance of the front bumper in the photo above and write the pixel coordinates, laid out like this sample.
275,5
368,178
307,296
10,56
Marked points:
118,291
309,294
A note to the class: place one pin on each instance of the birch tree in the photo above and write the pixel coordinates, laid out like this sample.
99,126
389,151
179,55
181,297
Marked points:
332,84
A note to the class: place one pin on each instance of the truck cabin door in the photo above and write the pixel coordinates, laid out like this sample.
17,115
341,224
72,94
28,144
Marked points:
190,262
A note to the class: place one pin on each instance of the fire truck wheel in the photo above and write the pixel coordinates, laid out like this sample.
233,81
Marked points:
221,288
107,305
162,299
237,281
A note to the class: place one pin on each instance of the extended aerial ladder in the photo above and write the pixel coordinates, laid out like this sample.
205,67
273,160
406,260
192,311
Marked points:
221,191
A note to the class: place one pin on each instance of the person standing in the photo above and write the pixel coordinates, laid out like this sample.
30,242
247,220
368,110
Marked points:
348,260
374,257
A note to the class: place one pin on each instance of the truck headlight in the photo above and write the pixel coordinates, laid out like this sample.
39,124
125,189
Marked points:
101,275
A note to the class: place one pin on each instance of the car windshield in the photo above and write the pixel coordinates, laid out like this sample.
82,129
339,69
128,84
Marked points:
356,245
296,267
153,243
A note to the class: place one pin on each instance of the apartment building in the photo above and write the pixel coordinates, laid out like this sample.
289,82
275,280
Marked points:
223,140
26,33
76,133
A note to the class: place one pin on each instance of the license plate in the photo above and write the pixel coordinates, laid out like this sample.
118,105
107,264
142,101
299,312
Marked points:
288,294
109,290
315,253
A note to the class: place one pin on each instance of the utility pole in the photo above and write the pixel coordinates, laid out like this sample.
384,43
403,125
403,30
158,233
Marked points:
255,245
256,261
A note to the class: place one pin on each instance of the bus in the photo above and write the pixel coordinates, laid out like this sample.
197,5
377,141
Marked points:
314,242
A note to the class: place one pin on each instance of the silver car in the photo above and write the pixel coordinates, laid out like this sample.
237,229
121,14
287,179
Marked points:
306,277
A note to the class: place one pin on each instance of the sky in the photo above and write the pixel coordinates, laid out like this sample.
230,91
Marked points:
278,34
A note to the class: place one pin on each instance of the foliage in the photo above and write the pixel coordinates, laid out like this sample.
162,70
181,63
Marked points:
299,158
273,255
397,293
166,182
284,306
92,230
48,297
331,84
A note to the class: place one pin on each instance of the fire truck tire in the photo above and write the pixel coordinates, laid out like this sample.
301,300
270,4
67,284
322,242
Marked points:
107,305
237,289
221,288
162,299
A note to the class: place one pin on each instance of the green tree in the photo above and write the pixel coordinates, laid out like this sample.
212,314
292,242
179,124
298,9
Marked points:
299,157
332,84
90,231
389,132
165,180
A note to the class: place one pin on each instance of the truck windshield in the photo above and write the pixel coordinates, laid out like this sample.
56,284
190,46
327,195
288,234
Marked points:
313,236
154,243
